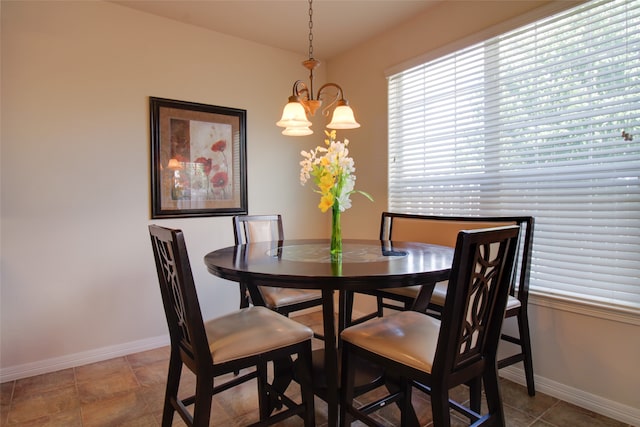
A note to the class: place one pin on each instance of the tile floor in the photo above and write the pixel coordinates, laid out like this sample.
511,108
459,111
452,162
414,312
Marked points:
129,391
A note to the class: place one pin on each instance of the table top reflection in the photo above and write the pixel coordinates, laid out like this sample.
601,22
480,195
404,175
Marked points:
364,264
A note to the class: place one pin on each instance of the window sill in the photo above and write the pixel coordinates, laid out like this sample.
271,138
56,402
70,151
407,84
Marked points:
611,312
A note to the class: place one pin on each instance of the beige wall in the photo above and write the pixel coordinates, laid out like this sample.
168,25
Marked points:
77,277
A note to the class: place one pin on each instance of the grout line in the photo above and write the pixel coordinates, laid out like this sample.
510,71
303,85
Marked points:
556,403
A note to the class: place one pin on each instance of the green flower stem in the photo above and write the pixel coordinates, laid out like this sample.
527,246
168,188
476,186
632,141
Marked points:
336,233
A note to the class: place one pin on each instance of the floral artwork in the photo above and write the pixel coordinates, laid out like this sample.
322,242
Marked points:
198,159
201,153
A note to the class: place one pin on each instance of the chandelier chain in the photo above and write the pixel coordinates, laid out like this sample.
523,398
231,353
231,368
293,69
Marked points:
310,29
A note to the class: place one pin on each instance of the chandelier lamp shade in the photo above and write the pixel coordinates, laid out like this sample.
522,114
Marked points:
302,104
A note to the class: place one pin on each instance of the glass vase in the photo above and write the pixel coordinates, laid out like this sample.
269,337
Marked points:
336,233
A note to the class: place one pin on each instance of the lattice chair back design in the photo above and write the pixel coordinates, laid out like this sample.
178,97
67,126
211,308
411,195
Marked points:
435,355
246,339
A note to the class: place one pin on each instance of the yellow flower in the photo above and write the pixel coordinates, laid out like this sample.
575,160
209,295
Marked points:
325,183
326,201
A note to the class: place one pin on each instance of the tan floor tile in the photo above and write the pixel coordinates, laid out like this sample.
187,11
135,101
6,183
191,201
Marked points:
540,423
4,414
517,418
153,396
122,409
565,414
219,417
6,392
27,387
152,373
143,421
240,400
137,360
515,395
101,369
43,404
70,418
187,384
107,387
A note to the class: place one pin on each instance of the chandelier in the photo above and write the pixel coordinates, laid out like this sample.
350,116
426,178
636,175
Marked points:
302,104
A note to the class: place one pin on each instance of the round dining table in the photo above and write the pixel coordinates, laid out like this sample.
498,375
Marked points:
364,265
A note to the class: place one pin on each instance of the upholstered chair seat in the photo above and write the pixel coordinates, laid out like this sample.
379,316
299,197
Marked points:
275,298
406,337
250,332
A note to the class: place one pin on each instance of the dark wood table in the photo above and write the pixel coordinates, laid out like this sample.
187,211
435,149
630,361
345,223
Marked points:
364,265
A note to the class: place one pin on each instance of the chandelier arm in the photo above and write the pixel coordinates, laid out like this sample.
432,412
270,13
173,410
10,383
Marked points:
336,98
300,90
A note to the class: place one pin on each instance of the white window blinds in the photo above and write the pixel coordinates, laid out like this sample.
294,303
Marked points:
531,123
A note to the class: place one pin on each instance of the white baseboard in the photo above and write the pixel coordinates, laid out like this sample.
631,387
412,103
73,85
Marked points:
72,360
591,402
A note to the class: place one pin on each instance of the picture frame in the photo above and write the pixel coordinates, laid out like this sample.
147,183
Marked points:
198,159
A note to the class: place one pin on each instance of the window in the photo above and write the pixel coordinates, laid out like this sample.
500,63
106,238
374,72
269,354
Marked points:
538,121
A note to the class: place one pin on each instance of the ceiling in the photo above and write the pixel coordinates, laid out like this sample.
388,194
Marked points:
338,25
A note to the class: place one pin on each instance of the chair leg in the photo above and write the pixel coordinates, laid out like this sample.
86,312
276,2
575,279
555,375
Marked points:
348,307
494,399
263,395
475,394
440,406
202,404
171,393
525,344
407,414
347,389
306,386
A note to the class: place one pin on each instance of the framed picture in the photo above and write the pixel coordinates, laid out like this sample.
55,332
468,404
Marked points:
198,159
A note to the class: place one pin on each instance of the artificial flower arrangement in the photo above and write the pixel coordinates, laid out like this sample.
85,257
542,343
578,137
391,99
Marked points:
333,173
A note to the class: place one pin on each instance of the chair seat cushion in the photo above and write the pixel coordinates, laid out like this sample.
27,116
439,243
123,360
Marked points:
252,331
407,337
278,297
440,294
413,291
512,303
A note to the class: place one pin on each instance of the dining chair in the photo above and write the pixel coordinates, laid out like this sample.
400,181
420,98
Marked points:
265,228
442,230
434,355
249,338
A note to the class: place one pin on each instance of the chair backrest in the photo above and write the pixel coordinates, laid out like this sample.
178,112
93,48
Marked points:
257,228
443,230
179,297
476,301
